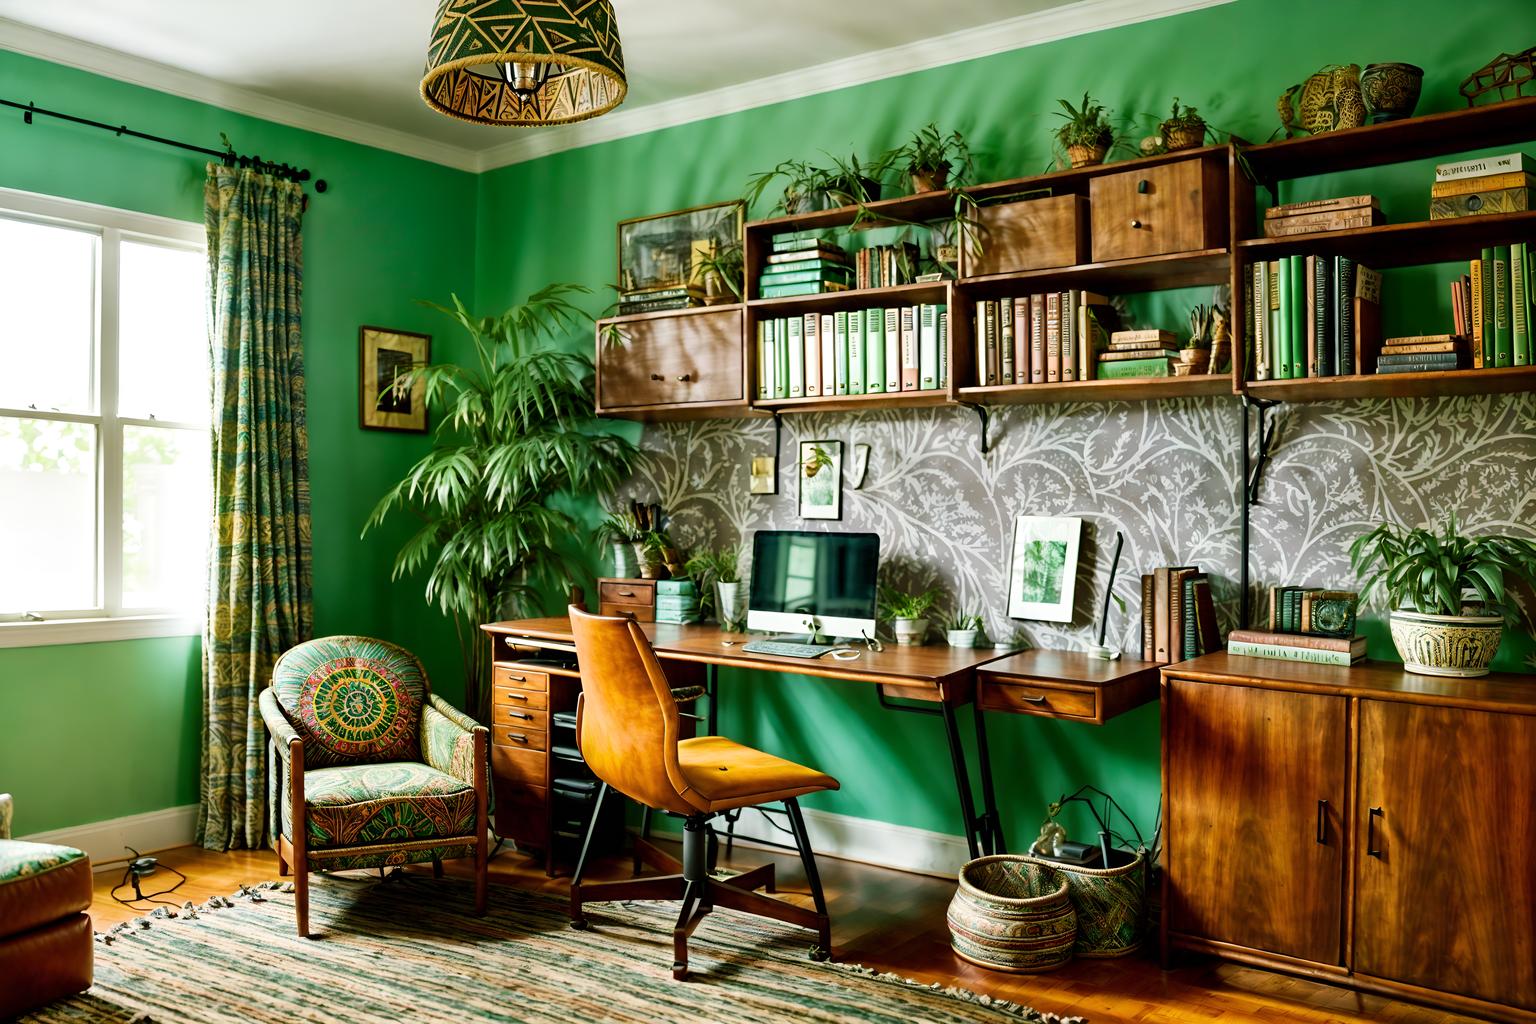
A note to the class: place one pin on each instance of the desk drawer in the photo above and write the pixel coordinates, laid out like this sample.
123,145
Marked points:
627,593
512,697
520,678
641,612
518,716
517,736
1032,698
511,763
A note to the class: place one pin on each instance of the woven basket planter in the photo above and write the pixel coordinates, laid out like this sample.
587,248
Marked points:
1111,904
1012,914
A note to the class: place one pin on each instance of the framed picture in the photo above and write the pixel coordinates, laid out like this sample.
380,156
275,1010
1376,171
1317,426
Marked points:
659,252
821,479
384,402
1043,574
765,474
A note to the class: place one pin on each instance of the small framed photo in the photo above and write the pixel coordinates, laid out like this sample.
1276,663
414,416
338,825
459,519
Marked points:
765,474
1043,574
821,479
386,399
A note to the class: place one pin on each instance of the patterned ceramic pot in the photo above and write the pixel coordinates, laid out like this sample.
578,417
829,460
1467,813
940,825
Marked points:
1111,904
1012,914
1391,90
1446,645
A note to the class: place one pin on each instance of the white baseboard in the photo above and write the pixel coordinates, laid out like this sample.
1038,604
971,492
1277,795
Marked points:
863,840
105,841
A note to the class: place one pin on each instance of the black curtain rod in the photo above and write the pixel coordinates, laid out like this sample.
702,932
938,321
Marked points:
228,156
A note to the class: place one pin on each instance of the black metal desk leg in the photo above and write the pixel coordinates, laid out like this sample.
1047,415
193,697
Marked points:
962,779
712,689
992,825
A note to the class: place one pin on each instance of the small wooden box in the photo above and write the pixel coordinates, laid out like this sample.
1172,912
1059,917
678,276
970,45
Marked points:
674,359
1166,208
1031,234
627,597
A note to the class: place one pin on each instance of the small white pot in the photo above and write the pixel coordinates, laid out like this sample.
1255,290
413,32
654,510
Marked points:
728,603
961,637
1446,645
910,632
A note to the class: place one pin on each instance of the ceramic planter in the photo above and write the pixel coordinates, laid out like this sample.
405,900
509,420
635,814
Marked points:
728,603
930,179
1086,156
961,637
910,632
846,193
1446,645
1391,90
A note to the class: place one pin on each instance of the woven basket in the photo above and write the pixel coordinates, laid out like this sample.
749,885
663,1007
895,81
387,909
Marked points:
1012,914
1111,903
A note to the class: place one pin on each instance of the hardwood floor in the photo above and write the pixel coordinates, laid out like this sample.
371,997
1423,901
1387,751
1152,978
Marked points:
894,921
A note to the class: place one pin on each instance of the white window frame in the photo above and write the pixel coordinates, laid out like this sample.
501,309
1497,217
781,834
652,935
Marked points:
109,621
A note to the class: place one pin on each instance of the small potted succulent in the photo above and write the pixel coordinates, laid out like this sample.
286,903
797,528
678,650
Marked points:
1182,129
963,630
1446,593
930,157
718,575
908,612
622,531
1087,134
721,271
1195,355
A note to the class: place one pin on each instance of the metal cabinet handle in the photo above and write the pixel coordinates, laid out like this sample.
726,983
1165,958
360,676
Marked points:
1322,823
1033,700
684,378
657,376
1371,849
520,714
1142,186
626,593
516,679
518,696
1135,223
521,737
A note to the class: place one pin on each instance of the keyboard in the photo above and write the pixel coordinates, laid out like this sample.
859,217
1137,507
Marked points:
785,649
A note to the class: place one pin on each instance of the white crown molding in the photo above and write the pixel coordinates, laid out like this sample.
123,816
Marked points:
99,60
1018,33
105,841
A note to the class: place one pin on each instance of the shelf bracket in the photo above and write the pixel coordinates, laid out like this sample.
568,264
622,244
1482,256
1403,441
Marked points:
986,424
1254,474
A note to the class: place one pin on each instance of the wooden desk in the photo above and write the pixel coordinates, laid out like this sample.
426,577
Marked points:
1066,684
931,680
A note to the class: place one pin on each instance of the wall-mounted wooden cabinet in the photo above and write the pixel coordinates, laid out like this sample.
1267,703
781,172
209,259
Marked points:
1178,206
1365,826
672,365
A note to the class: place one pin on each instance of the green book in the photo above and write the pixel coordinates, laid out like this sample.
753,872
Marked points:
1520,303
768,280
1503,338
840,352
856,352
796,348
781,354
1490,357
779,291
874,351
1298,318
1282,354
811,262
796,242
672,588
1283,652
1128,368
765,362
944,346
928,348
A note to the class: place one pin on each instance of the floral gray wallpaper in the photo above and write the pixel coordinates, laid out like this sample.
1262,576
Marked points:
1166,474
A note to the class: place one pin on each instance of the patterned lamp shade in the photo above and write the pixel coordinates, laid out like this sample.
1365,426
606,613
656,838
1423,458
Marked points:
524,62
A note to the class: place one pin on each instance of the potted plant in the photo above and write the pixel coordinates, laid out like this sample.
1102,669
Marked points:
621,530
930,156
806,186
908,612
718,576
1087,134
1182,129
722,272
487,497
1195,354
1446,594
853,183
963,630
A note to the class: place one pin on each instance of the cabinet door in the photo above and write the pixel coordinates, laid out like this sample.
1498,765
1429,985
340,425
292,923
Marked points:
1446,867
678,359
1255,813
1172,207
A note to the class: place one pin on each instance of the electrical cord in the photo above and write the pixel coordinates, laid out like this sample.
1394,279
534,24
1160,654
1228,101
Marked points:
137,869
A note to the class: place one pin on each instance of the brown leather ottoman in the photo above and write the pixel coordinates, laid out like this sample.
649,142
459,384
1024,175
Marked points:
45,935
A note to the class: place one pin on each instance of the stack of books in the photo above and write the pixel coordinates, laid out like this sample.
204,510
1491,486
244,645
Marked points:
677,601
885,266
1494,304
1471,188
1316,215
1312,316
1149,353
1305,624
804,266
1421,353
1041,339
1178,616
857,352
654,300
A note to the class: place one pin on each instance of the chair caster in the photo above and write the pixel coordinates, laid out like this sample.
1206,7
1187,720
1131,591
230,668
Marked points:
820,954
580,924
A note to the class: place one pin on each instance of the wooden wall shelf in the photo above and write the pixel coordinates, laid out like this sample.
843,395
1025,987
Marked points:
935,293
1400,245
1140,389
1397,385
857,403
1151,273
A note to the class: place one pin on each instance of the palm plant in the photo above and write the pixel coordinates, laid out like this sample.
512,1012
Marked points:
512,436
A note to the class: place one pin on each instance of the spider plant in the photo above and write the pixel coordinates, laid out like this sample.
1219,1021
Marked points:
933,159
805,186
514,434
724,266
1433,574
896,603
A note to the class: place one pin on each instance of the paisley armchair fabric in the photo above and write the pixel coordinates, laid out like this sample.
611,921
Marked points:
356,700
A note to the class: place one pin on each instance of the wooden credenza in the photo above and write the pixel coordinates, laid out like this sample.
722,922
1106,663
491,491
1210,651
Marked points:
1366,826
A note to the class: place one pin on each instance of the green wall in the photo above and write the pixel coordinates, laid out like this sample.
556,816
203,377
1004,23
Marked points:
553,219
98,731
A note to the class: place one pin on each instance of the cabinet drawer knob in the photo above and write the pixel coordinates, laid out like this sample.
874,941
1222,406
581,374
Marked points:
1371,849
657,376
684,378
1143,186
1135,223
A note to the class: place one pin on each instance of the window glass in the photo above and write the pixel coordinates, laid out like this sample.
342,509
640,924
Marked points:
47,316
48,508
162,338
165,517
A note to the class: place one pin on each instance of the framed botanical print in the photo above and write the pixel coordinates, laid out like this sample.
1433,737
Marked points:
1043,575
659,252
386,398
821,479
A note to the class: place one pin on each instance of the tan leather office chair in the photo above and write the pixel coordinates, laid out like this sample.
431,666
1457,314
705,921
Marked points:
628,729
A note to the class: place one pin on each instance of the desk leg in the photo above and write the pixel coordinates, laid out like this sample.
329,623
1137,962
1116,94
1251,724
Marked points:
991,823
712,690
962,780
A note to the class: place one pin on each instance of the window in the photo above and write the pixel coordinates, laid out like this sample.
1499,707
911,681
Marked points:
104,405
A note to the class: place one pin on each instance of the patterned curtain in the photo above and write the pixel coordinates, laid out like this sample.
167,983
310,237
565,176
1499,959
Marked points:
259,600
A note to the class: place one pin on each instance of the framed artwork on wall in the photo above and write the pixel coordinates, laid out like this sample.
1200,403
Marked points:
821,479
659,252
1043,574
384,400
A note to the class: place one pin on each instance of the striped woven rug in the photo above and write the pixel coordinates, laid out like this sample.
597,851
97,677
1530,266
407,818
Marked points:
406,949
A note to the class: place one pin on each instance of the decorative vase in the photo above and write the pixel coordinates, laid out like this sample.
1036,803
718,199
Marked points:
910,632
1391,90
625,564
1446,645
1012,914
930,179
1327,101
1184,136
961,637
1086,156
728,604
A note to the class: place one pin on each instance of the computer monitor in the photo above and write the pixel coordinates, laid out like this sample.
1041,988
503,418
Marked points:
800,576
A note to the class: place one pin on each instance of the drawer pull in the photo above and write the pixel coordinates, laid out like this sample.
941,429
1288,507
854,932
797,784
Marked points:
1322,823
517,679
518,696
626,593
684,378
1371,849
1040,699
521,737
1142,186
657,376
1135,223
525,716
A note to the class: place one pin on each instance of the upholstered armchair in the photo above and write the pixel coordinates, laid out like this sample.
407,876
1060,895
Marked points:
368,768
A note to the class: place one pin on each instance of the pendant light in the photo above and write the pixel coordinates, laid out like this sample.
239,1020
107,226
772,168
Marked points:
524,62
